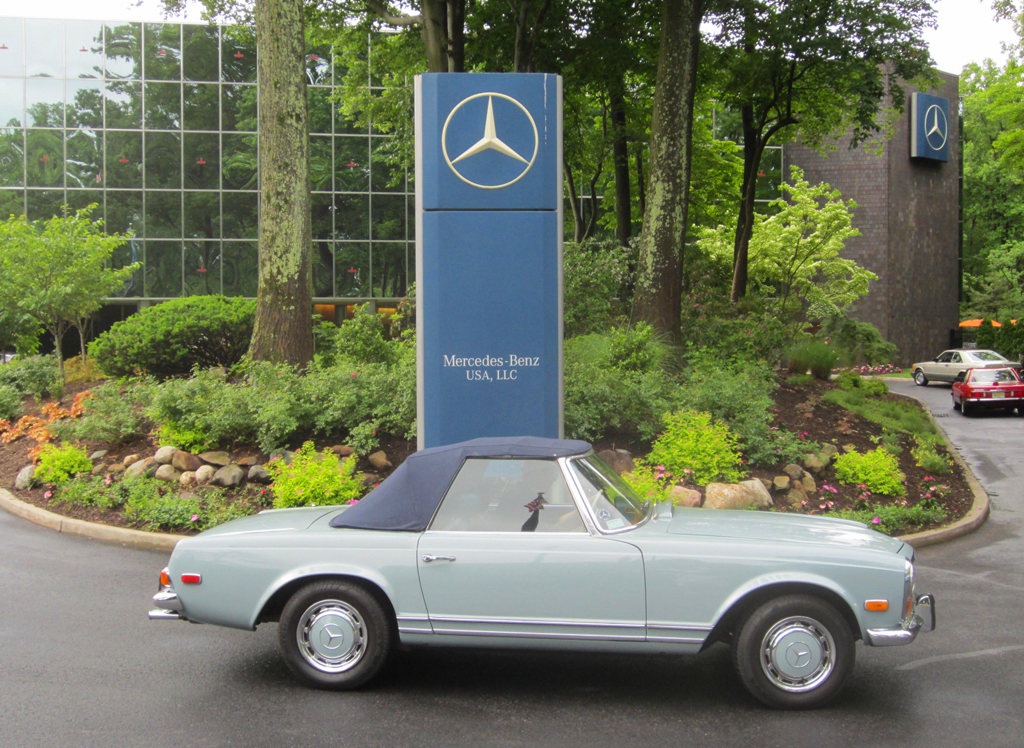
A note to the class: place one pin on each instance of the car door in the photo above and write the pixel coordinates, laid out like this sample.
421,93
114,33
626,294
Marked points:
509,555
938,370
956,365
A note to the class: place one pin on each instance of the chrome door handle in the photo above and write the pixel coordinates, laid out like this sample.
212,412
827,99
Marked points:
428,558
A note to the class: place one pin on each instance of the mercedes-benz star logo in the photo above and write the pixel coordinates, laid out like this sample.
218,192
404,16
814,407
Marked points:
798,655
935,127
331,636
490,141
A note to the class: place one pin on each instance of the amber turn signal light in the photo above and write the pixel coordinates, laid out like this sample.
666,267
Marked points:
876,605
165,578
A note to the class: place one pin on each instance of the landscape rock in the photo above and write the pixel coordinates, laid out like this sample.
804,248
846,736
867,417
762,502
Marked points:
796,496
619,460
117,467
682,496
795,472
849,448
204,474
228,476
131,460
730,496
757,488
283,454
380,460
186,461
140,468
99,454
98,469
369,479
813,463
164,455
216,458
808,484
246,461
342,450
187,478
25,478
781,483
167,472
259,474
829,451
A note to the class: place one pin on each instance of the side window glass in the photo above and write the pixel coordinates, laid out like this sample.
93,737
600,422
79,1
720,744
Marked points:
956,358
945,358
495,495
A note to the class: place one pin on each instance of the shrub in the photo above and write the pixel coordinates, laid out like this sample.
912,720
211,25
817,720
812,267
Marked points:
314,479
926,455
693,442
110,416
814,356
174,337
878,470
858,342
10,402
33,375
851,380
649,483
894,519
98,492
284,407
203,411
158,508
58,465
594,272
362,340
77,371
634,349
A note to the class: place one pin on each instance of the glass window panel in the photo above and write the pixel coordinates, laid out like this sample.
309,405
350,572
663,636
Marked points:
78,199
384,177
352,269
323,269
240,163
319,109
84,104
318,66
202,106
122,50
163,106
351,216
321,211
163,160
343,125
123,103
83,49
320,165
162,51
44,204
12,159
389,273
83,163
769,175
238,104
163,214
12,38
352,164
238,56
128,254
44,48
44,102
45,158
163,269
388,215
12,203
124,159
124,213
12,102
240,275
200,53
202,268
202,215
410,217
202,161
241,211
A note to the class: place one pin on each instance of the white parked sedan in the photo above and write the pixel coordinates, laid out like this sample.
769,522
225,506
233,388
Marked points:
947,365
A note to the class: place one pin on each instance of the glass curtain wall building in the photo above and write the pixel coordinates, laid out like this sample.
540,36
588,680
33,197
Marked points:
157,124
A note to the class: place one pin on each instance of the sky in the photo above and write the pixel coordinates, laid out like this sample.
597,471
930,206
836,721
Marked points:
966,30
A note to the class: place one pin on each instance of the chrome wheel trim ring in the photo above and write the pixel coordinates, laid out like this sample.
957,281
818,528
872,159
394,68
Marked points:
919,376
798,654
331,635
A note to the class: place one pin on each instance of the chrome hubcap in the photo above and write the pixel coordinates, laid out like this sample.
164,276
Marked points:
797,654
331,636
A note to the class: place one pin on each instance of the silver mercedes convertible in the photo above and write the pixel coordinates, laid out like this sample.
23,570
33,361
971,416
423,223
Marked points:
535,543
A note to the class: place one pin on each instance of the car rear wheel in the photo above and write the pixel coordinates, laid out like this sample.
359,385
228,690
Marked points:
794,652
335,635
965,409
920,379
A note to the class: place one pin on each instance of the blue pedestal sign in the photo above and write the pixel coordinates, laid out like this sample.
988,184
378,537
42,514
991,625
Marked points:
488,256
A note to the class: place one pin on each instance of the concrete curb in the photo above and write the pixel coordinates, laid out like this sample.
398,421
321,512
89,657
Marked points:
150,541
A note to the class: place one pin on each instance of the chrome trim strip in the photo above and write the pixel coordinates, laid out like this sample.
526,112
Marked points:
165,615
412,618
676,639
536,622
532,635
678,626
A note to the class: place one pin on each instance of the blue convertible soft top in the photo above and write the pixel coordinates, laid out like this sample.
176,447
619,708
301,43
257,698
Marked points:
408,498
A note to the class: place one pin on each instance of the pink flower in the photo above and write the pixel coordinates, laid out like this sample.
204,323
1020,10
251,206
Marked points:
876,521
107,480
262,491
48,494
352,374
194,518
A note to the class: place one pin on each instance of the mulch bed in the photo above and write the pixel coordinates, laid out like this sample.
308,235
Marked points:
800,410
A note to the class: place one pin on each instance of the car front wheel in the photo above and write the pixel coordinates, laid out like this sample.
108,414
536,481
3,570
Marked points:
920,379
794,652
335,635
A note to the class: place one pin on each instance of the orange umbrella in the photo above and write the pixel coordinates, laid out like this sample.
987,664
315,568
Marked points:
977,323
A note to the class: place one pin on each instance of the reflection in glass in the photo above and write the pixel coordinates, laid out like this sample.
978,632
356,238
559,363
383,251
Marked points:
318,66
200,44
351,217
239,108
12,159
163,106
124,159
202,107
321,212
12,102
12,59
78,199
202,161
385,177
124,213
84,161
161,51
238,56
240,274
163,160
351,164
83,49
44,160
44,204
389,274
44,102
202,215
769,176
163,214
323,268
44,48
319,109
163,269
320,167
202,268
84,104
239,165
352,265
388,212
12,203
240,214
123,104
128,254
122,49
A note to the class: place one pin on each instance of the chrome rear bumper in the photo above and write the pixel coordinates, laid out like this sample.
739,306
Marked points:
168,606
906,632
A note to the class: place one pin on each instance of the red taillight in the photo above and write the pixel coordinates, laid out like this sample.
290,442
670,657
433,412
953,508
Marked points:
192,578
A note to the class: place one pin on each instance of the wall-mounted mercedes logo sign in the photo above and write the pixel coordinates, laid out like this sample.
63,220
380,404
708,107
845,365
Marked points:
490,141
936,128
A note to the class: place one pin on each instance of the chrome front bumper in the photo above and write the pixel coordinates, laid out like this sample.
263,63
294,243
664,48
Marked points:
907,631
168,606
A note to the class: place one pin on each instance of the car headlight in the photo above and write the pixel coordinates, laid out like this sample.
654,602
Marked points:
908,590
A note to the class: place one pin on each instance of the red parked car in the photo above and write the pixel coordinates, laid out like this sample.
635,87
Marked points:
988,388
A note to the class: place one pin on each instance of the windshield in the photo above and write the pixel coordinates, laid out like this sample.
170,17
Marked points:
986,356
613,502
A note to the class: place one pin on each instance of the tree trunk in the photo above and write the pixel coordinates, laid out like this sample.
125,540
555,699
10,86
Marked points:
620,164
656,298
283,330
574,203
456,36
641,194
752,149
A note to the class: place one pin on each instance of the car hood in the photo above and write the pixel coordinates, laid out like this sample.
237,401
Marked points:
784,528
274,520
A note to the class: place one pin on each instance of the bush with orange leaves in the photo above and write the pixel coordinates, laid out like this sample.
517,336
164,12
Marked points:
37,429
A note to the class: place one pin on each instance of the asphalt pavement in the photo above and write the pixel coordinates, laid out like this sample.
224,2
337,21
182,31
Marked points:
80,665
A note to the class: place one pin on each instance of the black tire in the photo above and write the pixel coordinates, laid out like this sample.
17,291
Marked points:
920,379
966,409
770,645
956,405
335,635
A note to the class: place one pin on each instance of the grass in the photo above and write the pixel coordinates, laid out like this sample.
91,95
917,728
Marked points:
896,415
